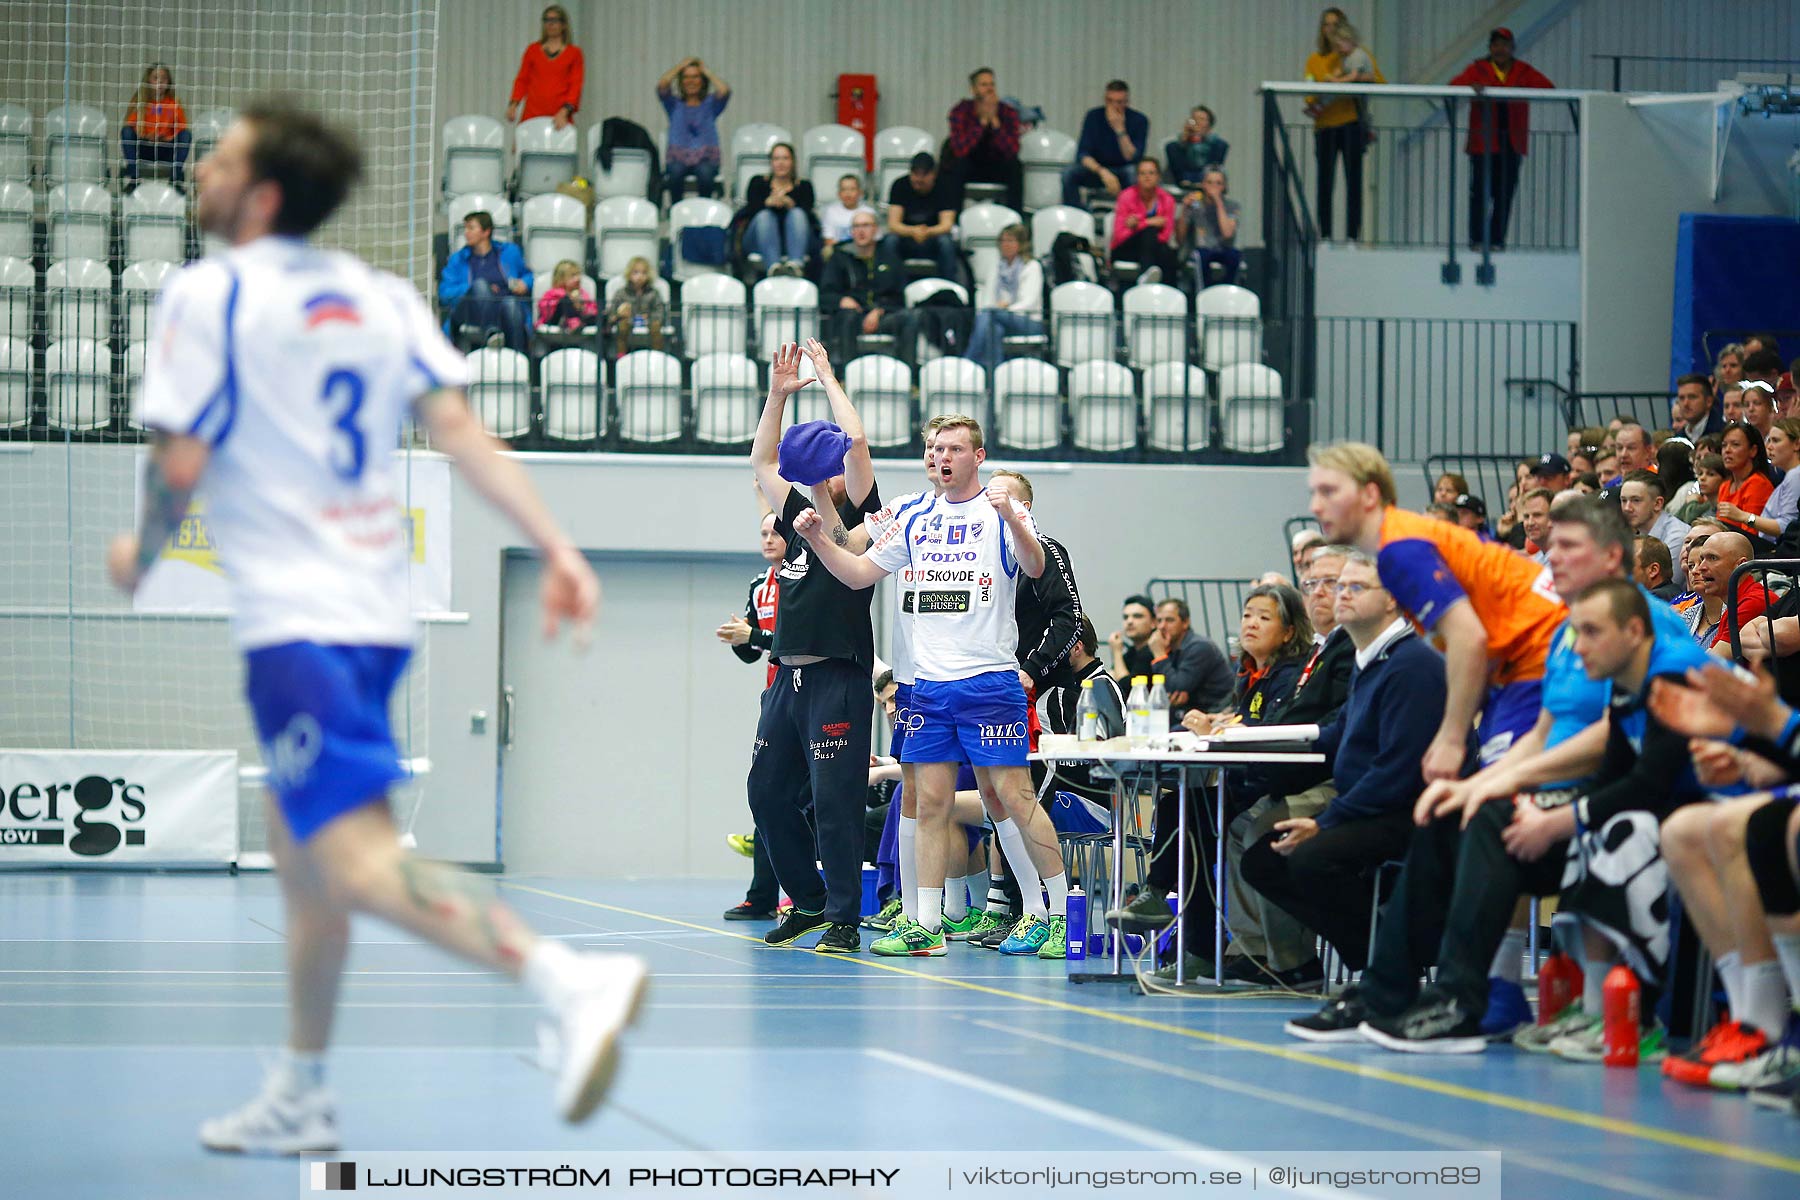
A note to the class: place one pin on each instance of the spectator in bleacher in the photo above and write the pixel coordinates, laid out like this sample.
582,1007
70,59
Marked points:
1144,223
1633,451
834,218
1113,136
1728,368
1194,670
156,128
1552,471
1471,513
1694,411
984,140
1338,128
1011,302
1301,550
1759,405
1207,227
486,288
1534,520
1711,563
922,208
565,306
1709,477
1499,134
1130,642
1643,502
1654,568
778,215
1731,403
1675,467
1606,466
1587,483
1749,479
861,293
693,125
637,307
1199,148
1448,487
1783,505
551,73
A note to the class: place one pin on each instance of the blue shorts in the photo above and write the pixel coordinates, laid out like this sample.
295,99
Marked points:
1509,714
903,702
981,721
322,718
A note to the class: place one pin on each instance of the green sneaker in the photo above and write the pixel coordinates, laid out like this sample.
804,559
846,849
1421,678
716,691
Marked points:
1057,944
884,920
1027,937
909,940
989,924
955,929
1536,1039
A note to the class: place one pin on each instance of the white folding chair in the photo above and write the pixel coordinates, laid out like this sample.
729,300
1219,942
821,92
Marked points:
80,220
75,142
714,309
569,380
750,147
882,389
500,390
78,384
1103,406
139,286
554,228
1252,413
727,399
15,142
1176,408
1046,223
1027,404
647,396
16,378
629,174
894,150
474,155
1155,325
827,154
1081,322
625,227
1043,156
1230,320
78,301
18,217
784,309
542,282
18,289
155,223
978,230
696,212
952,385
493,204
546,155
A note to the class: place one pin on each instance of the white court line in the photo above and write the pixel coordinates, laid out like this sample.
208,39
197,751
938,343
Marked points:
747,1006
1098,1122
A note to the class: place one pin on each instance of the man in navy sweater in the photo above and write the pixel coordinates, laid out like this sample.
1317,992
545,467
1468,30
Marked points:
1317,868
1113,136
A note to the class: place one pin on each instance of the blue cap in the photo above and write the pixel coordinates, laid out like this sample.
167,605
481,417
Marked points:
813,452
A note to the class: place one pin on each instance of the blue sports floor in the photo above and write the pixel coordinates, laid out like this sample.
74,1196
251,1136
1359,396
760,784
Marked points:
133,1006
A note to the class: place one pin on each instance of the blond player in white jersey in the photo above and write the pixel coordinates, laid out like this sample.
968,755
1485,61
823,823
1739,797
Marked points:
278,378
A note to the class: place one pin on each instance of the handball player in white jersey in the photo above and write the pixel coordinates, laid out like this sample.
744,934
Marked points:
966,547
279,376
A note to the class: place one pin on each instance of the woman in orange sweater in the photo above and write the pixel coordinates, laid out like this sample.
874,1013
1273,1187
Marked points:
156,128
550,74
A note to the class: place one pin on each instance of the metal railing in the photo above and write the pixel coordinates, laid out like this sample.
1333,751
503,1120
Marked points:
1788,568
1215,606
1489,476
1674,72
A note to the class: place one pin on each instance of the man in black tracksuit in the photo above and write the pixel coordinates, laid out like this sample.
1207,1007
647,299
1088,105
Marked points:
861,292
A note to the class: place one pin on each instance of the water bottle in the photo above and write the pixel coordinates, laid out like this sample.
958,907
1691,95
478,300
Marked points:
1087,714
1159,707
1559,980
1621,1024
1137,715
1075,950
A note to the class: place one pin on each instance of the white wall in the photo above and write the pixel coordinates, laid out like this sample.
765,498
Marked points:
1357,281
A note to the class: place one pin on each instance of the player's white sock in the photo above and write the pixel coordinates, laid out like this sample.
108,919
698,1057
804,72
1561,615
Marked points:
301,1071
1765,998
956,897
1058,888
551,969
1509,960
996,874
1593,985
909,867
1018,860
1731,974
931,908
1787,950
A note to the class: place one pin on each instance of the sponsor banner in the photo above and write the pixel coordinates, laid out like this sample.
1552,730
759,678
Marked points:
125,807
188,577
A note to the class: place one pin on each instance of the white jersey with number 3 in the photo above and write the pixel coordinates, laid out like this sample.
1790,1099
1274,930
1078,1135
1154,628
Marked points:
297,366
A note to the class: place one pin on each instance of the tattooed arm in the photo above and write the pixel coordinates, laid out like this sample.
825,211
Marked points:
176,464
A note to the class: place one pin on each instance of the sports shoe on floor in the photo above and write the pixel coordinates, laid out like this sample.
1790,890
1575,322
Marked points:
840,939
1027,937
1309,976
1194,970
1056,945
1149,911
1338,1021
884,920
909,940
1778,1095
743,843
1536,1039
1507,1010
1435,1024
746,911
1781,1061
1244,969
999,927
1727,1042
284,1119
589,1020
958,928
794,926
1587,1043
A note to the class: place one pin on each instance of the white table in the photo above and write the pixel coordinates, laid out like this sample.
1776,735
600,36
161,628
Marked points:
1213,753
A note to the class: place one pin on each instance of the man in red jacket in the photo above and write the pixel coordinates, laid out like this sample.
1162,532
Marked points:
1498,132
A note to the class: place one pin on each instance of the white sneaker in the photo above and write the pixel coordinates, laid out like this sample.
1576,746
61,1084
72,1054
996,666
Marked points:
589,1021
1153,275
280,1121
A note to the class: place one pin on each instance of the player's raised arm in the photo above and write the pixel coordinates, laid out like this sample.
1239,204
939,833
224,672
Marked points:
852,570
859,469
765,449
1025,542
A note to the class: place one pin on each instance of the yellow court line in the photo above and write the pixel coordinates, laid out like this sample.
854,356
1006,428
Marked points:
1533,1108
